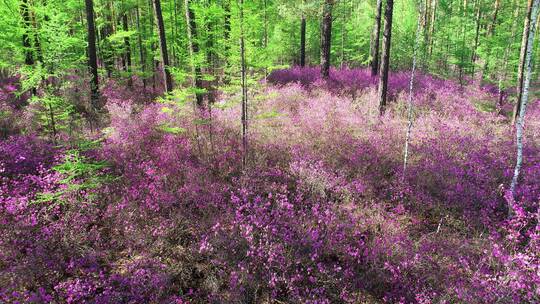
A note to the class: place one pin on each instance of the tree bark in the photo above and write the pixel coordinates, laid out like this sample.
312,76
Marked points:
476,35
524,100
27,24
127,53
141,49
375,40
194,51
92,55
504,72
432,27
162,45
490,32
326,37
411,87
303,41
385,64
244,88
521,67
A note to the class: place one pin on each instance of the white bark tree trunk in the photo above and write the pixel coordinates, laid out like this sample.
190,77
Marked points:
524,101
411,87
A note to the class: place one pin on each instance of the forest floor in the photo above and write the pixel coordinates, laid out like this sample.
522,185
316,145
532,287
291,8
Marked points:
158,208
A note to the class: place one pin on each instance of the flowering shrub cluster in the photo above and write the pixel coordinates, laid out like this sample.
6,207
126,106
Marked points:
11,106
352,81
162,211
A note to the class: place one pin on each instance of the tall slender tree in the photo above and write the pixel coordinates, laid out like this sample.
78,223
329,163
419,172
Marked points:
27,25
92,55
326,37
194,51
411,87
432,21
385,63
303,40
522,55
490,32
162,45
524,100
244,87
141,48
375,40
478,18
127,51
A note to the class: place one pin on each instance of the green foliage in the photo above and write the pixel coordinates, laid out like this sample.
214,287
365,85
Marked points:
268,115
57,36
171,130
79,174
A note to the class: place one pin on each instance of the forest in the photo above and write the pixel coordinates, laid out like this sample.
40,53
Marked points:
269,151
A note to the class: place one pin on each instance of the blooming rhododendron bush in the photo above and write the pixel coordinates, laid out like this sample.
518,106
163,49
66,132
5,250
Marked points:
157,207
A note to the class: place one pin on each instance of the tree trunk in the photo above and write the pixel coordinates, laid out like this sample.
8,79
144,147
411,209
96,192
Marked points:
265,34
342,55
461,64
521,67
385,64
127,53
226,35
432,27
490,32
244,88
326,38
303,41
92,56
172,8
524,100
476,35
37,43
411,87
375,40
141,49
227,21
27,24
162,45
194,51
504,72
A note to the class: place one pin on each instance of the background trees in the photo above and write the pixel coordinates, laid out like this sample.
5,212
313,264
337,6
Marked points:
463,39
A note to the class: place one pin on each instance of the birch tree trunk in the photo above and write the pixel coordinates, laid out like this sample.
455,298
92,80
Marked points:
524,100
521,67
411,87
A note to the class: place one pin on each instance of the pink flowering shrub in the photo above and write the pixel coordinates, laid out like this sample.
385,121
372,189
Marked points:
11,107
162,211
352,81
